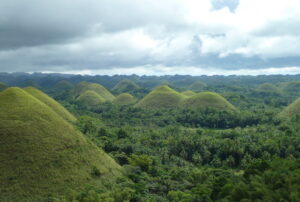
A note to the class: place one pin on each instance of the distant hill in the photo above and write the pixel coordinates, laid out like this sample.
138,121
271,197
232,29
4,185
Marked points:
198,86
188,93
292,110
267,89
90,99
100,90
3,86
292,87
125,86
63,85
42,155
161,97
55,106
207,100
124,99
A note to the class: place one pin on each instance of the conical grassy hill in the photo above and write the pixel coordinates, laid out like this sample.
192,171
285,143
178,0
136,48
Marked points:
2,86
207,100
161,97
63,85
198,86
267,89
41,154
188,93
55,106
90,99
125,86
124,99
292,110
100,90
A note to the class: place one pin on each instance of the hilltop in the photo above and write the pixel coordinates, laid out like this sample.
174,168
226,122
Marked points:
161,97
292,110
198,86
90,99
55,106
44,155
124,99
267,89
188,93
125,86
99,89
207,100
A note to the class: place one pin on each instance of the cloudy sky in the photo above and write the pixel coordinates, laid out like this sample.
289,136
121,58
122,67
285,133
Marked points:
152,37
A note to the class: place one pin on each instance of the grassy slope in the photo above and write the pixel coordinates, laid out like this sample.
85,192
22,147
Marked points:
90,99
161,97
292,110
125,86
207,100
55,106
103,92
268,88
188,93
2,86
63,85
41,154
124,99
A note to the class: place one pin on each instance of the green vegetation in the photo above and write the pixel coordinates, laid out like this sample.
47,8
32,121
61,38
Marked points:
125,99
267,89
3,86
125,86
100,90
161,97
63,85
292,87
55,106
188,93
292,110
207,100
42,155
90,99
198,86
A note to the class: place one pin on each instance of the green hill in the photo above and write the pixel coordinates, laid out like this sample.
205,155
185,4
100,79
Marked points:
125,86
90,99
3,86
207,100
267,89
188,93
124,99
100,90
292,87
55,106
292,110
161,97
63,85
198,86
42,155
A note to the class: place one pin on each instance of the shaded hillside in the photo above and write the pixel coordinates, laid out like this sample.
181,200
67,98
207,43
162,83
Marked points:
207,100
41,154
267,89
124,99
55,106
161,97
198,86
63,85
188,93
100,90
3,86
90,99
292,110
125,86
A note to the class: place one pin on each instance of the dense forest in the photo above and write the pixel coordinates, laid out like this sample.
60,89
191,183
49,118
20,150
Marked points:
168,138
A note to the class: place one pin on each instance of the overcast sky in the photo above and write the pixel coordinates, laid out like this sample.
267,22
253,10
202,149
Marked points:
153,37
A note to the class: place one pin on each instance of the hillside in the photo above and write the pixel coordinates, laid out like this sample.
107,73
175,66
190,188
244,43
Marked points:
125,86
188,93
55,106
90,99
207,100
2,86
124,99
292,87
41,154
161,97
267,89
198,86
63,85
100,90
292,110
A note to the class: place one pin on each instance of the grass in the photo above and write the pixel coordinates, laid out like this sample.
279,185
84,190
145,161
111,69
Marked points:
188,93
125,86
99,89
267,89
124,99
198,86
41,154
292,110
55,106
2,86
207,100
63,85
90,99
161,97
